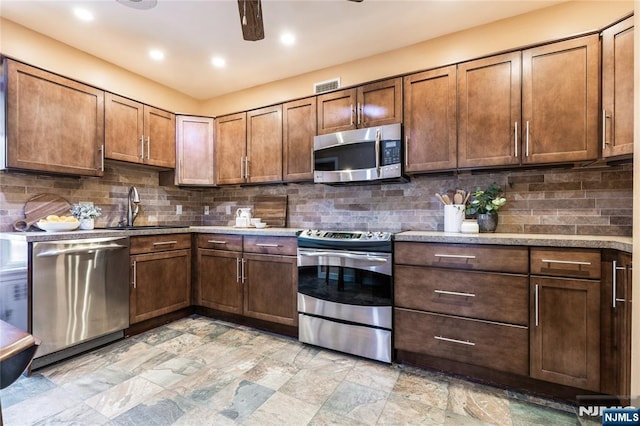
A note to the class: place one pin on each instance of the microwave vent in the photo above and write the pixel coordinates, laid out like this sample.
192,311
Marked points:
326,86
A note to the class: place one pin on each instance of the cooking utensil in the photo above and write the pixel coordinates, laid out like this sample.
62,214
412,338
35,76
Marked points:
39,207
439,197
457,198
446,199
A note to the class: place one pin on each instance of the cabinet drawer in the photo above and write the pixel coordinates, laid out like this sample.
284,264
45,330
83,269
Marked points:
155,243
487,344
463,256
220,242
482,295
270,245
579,263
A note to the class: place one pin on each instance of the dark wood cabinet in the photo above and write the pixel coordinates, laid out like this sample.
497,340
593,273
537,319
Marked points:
298,129
139,133
565,317
194,150
249,275
560,99
616,297
160,275
617,89
374,104
430,114
264,145
489,111
463,303
231,148
53,124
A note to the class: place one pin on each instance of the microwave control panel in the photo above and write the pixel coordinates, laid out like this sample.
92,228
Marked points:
390,152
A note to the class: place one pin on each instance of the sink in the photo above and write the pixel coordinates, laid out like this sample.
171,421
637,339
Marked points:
141,227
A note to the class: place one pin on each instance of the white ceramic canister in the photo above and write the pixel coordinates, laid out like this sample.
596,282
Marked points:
453,217
469,226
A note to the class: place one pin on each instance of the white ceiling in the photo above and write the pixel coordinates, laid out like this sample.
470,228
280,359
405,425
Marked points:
328,32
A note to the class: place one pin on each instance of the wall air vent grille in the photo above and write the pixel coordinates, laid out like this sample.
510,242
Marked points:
326,86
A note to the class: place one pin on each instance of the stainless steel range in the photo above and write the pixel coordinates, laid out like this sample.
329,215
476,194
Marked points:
345,287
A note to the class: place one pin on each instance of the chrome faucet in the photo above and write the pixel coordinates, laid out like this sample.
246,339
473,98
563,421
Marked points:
133,199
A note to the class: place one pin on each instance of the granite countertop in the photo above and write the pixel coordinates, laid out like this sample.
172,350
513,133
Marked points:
576,241
547,240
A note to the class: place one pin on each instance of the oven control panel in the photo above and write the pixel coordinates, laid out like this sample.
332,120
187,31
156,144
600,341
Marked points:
347,235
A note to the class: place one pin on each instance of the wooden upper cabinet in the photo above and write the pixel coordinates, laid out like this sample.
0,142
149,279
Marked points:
560,95
231,148
138,133
489,111
617,89
374,104
430,120
160,137
380,103
264,145
53,124
298,130
194,150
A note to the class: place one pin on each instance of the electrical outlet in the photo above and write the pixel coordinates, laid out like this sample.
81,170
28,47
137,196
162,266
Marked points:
179,209
206,210
228,209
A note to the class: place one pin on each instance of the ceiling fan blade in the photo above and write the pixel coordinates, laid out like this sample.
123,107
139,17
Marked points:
251,19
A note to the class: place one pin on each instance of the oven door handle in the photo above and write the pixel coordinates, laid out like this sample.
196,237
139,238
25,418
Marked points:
347,256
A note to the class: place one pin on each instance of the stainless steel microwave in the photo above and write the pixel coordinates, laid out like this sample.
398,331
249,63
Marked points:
369,154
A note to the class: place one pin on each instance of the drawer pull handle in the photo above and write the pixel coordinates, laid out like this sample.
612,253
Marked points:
216,242
566,262
461,342
165,243
455,256
267,245
454,293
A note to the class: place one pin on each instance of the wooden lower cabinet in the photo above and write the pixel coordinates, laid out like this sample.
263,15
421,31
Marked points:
615,305
270,288
259,281
219,280
565,331
494,345
160,283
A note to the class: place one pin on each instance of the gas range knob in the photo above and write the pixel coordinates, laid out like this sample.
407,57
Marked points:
317,233
369,234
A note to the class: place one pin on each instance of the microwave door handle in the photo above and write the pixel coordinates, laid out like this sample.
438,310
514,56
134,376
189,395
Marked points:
378,152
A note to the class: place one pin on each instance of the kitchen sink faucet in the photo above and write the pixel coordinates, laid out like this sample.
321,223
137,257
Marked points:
133,199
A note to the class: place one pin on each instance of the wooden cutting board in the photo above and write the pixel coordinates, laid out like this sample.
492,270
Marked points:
272,209
39,207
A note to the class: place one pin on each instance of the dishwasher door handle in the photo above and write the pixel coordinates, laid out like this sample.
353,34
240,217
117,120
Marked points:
78,250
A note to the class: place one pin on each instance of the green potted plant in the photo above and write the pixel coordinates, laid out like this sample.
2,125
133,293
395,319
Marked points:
485,206
86,214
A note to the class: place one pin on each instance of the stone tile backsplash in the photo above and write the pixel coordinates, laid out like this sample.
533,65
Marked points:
549,201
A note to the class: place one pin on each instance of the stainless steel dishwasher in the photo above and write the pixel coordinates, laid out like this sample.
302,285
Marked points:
80,295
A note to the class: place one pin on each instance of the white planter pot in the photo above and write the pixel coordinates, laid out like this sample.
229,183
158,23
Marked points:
87,224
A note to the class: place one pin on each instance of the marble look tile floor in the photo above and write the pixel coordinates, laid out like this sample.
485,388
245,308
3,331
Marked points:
200,371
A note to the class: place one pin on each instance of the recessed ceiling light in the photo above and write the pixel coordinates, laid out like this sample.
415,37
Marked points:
156,54
139,4
288,39
83,14
218,62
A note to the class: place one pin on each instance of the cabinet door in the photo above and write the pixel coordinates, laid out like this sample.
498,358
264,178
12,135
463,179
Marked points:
298,130
219,280
560,101
565,331
264,145
270,289
380,103
430,120
617,89
616,323
124,129
231,144
194,150
160,137
53,124
489,111
336,111
161,283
